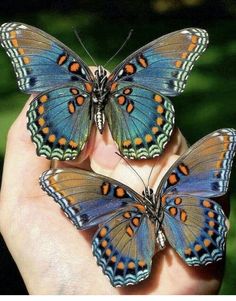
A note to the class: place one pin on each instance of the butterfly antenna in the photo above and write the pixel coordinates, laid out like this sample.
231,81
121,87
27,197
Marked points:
131,168
121,47
82,44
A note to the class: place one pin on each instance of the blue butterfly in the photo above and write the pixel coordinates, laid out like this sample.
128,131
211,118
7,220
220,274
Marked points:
133,99
180,212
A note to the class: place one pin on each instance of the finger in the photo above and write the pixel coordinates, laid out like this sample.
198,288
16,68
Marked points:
21,162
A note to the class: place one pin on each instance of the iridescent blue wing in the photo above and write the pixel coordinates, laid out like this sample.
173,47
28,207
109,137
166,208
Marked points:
124,246
194,224
204,170
40,61
60,120
140,120
87,198
164,64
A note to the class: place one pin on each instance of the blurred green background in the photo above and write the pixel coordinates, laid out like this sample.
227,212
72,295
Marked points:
208,103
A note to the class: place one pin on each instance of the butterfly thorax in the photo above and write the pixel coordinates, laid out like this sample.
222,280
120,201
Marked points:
155,214
99,97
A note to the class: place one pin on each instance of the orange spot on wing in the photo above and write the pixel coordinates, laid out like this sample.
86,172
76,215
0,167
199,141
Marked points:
62,59
103,232
183,169
131,265
121,100
140,207
14,42
188,251
141,263
88,87
26,59
130,108
178,64
183,216
173,179
21,51
71,107
197,247
206,204
108,252
194,39
143,62
12,34
127,215
62,141
211,224
210,232
113,259
163,199
45,130
104,243
74,67
148,138
127,91
173,211
155,130
207,242
52,138
138,141
191,47
120,266
159,121
43,98
178,201
120,192
129,69
73,144
126,143
79,100
41,109
184,55
41,121
160,109
158,98
74,91
113,87
105,188
136,221
129,231
211,214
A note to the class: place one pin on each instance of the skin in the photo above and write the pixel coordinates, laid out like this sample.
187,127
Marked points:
53,257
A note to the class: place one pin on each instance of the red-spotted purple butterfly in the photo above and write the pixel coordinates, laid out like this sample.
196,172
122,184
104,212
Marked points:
180,212
133,99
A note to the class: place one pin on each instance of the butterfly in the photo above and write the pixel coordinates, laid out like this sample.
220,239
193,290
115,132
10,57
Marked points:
133,99
180,212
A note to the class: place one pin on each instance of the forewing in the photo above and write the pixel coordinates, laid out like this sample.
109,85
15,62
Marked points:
204,170
124,246
196,228
40,61
164,64
86,198
141,120
60,121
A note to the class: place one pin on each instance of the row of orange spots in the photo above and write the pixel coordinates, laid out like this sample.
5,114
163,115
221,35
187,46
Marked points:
88,87
62,59
105,188
74,67
191,47
130,69
119,192
183,169
43,98
158,98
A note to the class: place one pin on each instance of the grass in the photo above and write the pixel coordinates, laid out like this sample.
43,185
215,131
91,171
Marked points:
207,104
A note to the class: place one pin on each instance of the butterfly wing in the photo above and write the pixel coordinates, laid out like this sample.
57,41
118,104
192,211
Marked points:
39,60
194,224
164,64
86,198
60,120
141,121
124,246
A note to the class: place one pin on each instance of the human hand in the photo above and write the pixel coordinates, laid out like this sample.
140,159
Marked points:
53,256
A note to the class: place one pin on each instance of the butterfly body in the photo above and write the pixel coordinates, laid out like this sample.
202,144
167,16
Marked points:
133,99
